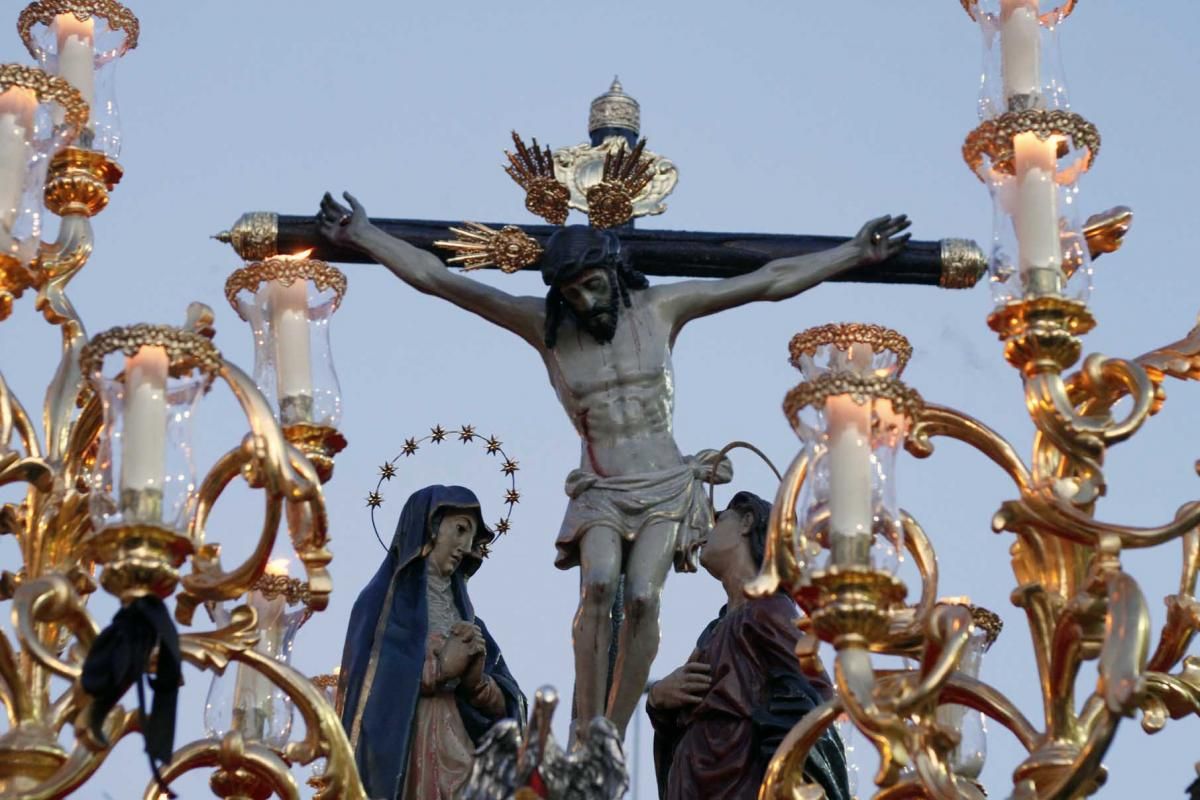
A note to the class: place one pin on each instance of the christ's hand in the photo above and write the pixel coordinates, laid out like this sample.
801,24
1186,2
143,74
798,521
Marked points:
881,238
340,225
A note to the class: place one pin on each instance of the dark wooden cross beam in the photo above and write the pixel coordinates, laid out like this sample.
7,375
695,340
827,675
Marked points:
951,263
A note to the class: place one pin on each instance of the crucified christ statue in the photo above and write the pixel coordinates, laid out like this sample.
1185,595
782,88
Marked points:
636,502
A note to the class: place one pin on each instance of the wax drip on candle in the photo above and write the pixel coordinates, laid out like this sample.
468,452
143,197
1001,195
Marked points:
17,107
76,59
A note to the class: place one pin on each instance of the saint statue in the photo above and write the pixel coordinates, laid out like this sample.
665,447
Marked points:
636,505
719,718
422,681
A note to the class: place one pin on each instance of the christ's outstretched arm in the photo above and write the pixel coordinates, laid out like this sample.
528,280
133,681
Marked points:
426,273
782,278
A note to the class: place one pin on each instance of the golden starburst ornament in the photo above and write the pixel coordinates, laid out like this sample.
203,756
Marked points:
626,174
410,447
533,169
437,434
477,246
374,500
466,434
387,471
509,467
512,496
493,445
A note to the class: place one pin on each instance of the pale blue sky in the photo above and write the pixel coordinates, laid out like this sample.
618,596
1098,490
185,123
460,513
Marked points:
798,117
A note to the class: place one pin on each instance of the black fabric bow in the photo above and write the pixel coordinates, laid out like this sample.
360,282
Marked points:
119,659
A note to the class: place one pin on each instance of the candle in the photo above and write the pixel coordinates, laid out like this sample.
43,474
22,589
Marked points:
144,438
16,122
76,59
850,508
289,329
1019,54
1036,218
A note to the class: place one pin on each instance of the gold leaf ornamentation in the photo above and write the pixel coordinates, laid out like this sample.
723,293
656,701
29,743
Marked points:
478,246
533,169
610,202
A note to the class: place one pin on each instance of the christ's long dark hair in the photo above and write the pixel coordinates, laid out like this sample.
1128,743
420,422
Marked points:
576,248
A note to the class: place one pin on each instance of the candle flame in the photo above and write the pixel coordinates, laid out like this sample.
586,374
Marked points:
295,256
278,566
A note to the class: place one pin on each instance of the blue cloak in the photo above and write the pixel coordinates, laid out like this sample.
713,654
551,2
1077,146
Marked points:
380,678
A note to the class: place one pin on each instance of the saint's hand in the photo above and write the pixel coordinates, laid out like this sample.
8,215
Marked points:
685,686
473,675
456,657
881,238
339,224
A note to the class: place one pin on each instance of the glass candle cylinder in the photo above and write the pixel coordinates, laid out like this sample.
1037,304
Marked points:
856,347
82,46
1031,149
149,380
970,753
29,135
1022,62
851,426
289,303
243,699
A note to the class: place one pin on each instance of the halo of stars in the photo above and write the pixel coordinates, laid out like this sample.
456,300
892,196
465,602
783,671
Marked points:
465,434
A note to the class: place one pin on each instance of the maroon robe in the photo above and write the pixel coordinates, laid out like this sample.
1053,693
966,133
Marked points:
720,747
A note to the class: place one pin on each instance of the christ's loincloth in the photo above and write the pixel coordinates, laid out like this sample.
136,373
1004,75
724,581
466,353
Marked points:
630,503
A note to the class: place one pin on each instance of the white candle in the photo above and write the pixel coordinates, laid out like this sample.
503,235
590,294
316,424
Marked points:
76,59
1019,47
1036,218
289,330
850,511
144,439
16,121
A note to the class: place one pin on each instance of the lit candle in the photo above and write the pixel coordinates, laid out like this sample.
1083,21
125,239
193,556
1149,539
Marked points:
16,122
1019,47
76,59
289,329
1036,218
850,511
144,439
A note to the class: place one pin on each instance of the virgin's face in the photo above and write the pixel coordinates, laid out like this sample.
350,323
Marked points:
452,542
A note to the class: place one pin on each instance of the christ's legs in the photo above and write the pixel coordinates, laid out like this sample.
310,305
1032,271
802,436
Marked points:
646,570
599,573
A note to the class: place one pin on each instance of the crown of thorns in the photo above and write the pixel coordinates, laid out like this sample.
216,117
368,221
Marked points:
626,175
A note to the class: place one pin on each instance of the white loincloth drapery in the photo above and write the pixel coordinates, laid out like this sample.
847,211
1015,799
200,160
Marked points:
629,503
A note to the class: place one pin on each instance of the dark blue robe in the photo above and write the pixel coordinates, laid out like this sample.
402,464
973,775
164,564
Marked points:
380,678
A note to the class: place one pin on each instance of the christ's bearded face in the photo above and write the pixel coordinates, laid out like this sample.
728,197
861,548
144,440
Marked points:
591,297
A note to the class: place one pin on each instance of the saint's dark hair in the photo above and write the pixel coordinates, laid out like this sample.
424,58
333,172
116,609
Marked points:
570,251
760,512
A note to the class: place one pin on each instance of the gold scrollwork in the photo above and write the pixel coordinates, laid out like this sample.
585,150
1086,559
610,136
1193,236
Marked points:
79,181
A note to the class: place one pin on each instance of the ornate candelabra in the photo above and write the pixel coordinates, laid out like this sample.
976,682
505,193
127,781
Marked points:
112,500
837,530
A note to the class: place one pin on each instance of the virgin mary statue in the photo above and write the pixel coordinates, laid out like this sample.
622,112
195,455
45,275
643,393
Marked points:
422,680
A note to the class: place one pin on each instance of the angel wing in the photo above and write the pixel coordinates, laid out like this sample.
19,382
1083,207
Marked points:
493,775
595,770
